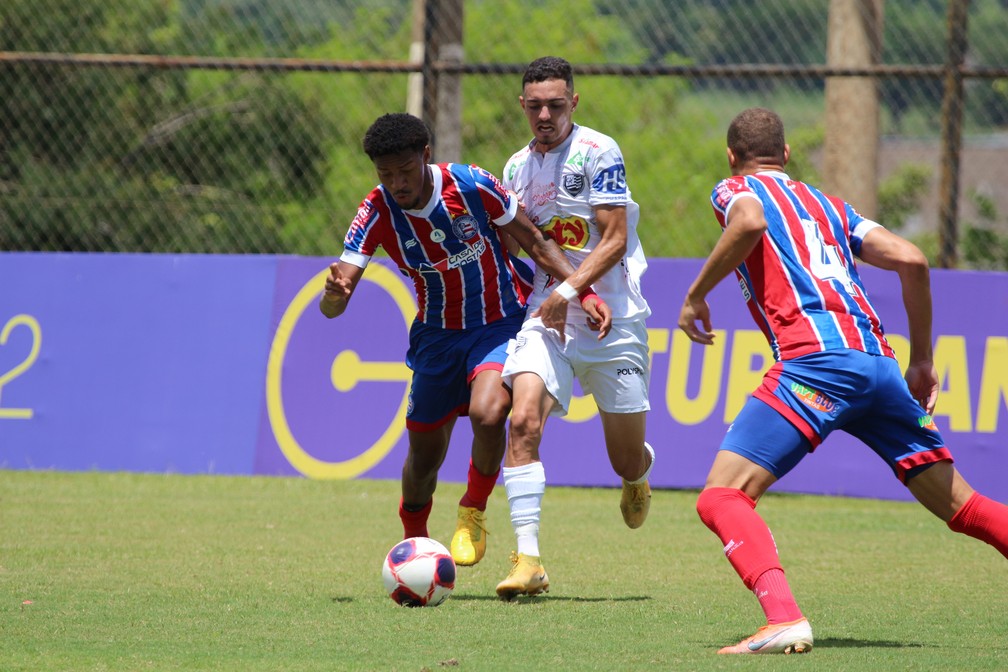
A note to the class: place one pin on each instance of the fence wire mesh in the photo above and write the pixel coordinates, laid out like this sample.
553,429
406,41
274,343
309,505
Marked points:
234,126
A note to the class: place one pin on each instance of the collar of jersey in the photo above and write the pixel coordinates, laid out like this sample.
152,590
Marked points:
435,196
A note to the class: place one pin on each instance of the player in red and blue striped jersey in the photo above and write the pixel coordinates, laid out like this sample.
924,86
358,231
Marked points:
443,225
793,250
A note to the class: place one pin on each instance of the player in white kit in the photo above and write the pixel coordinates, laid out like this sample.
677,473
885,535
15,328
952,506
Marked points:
571,182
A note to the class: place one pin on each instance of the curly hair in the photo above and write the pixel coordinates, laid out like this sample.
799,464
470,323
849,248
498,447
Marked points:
757,134
394,133
549,67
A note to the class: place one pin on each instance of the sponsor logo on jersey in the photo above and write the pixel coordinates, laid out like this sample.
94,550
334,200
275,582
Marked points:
573,184
630,371
570,233
543,194
437,235
363,217
498,187
471,253
465,227
927,422
813,398
576,160
724,193
612,180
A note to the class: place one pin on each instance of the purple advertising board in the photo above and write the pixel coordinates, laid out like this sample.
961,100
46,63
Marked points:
223,364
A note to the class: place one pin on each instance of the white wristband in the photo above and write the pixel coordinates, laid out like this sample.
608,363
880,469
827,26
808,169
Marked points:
565,290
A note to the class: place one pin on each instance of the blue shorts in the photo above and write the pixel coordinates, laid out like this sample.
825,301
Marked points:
444,362
802,400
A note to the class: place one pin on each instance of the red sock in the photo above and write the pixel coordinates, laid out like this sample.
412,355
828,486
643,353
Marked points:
414,522
478,488
750,548
774,595
984,519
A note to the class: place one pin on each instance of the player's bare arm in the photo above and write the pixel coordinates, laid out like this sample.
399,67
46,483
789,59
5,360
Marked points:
547,255
611,222
746,225
339,287
888,251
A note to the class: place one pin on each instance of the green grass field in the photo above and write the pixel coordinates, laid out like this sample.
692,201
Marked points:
152,572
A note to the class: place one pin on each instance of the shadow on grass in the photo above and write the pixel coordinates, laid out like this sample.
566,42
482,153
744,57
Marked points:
848,643
521,599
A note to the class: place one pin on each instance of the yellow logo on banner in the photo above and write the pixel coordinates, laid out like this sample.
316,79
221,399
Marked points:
346,371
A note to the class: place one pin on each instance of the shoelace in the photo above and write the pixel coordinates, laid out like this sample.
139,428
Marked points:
471,519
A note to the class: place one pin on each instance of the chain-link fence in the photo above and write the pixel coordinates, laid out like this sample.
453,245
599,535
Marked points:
235,125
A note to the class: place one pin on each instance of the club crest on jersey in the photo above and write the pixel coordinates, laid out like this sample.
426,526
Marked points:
573,184
437,235
465,227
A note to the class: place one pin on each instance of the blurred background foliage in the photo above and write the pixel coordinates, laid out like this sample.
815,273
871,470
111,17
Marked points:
113,157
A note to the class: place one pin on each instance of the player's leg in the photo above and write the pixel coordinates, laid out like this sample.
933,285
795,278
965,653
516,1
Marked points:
615,372
525,485
761,446
541,383
438,393
945,493
489,404
427,450
632,458
902,434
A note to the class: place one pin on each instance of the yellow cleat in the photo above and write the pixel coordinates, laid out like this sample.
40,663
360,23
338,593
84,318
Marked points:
635,503
469,541
793,637
527,577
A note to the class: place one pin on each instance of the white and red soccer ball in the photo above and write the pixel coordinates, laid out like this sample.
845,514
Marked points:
419,572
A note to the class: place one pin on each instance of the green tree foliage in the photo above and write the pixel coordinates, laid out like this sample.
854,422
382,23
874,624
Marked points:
134,159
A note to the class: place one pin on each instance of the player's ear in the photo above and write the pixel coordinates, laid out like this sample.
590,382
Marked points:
574,101
732,160
787,153
426,154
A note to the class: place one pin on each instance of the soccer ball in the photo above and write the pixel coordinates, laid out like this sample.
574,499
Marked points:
419,572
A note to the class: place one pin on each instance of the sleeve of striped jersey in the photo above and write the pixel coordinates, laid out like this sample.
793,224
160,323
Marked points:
500,203
360,243
726,193
859,228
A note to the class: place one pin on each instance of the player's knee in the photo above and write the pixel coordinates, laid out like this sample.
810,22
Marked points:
489,417
713,501
525,427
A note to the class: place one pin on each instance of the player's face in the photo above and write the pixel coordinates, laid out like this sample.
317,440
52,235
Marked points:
406,176
548,107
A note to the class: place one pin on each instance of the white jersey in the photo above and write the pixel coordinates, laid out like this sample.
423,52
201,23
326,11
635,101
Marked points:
558,191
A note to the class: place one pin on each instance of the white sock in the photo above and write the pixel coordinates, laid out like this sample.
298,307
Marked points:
647,472
525,487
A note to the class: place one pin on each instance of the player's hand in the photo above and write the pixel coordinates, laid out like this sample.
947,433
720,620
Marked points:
599,315
922,380
691,312
336,292
553,313
337,285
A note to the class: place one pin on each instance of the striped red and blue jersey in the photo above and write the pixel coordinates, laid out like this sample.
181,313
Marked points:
801,282
451,248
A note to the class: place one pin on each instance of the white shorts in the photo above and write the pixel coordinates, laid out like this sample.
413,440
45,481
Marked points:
614,371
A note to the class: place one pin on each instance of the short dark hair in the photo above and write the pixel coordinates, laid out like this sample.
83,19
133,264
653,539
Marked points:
757,134
394,133
549,67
